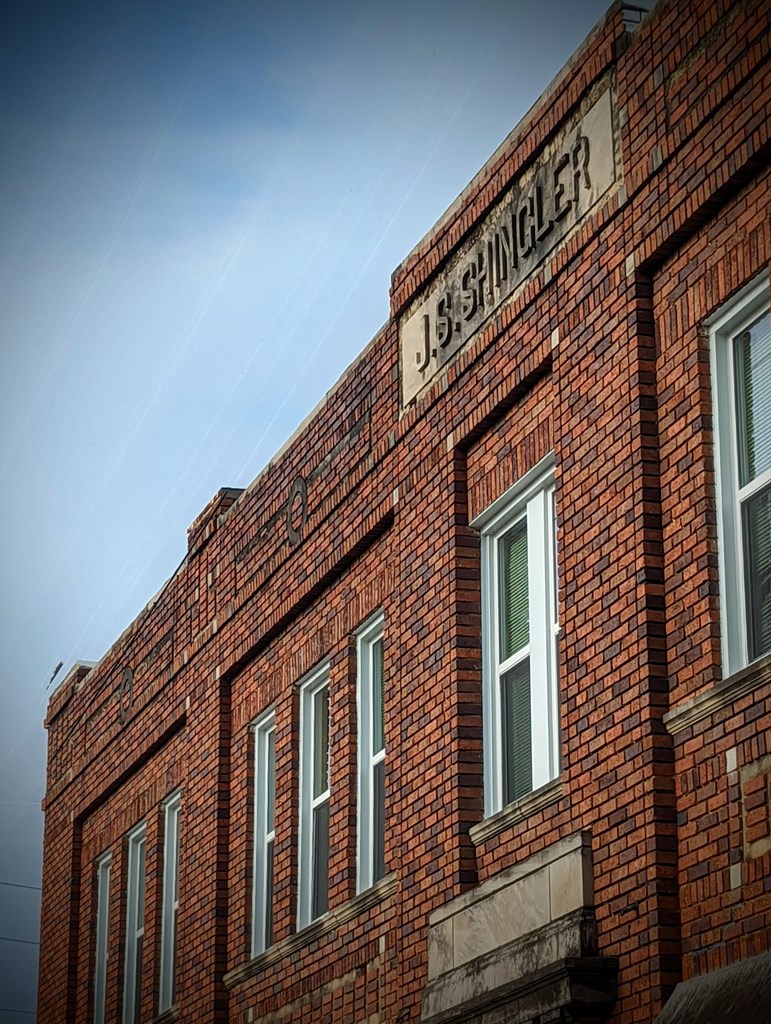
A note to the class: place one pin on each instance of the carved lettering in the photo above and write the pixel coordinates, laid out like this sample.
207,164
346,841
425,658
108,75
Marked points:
530,220
543,224
561,205
444,320
481,279
296,511
468,292
580,166
525,228
506,252
125,694
423,355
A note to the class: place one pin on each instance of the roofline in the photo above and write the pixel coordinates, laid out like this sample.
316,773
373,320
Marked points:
474,184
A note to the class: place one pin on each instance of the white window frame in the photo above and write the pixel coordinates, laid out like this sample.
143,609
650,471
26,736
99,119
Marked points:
170,905
264,835
532,498
734,317
368,758
135,920
101,952
317,680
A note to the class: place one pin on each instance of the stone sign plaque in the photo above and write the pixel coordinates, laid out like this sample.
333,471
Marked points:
572,174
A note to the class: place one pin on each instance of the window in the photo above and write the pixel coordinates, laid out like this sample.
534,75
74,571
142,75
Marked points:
135,926
741,367
170,902
264,832
519,612
314,797
371,766
103,866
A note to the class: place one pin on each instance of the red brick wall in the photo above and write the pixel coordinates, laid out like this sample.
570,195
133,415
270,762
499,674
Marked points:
600,357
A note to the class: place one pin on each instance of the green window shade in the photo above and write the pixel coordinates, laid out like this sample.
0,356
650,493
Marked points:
320,742
512,568
517,742
752,362
270,810
757,533
140,923
378,736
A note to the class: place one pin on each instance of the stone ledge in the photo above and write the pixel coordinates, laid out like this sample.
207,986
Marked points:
553,970
167,1017
378,893
518,811
720,696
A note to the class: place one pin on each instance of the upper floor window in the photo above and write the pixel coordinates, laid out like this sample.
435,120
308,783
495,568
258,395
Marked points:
371,763
313,881
103,871
264,832
519,613
741,364
135,925
170,902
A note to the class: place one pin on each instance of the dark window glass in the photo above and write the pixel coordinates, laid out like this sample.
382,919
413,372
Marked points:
378,822
757,532
517,742
320,860
269,894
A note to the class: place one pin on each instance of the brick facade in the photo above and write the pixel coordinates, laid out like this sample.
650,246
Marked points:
600,355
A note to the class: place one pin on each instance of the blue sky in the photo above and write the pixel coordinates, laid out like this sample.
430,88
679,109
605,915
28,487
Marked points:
200,209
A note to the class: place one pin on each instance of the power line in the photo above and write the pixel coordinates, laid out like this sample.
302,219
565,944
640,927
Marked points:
7,1009
26,942
19,885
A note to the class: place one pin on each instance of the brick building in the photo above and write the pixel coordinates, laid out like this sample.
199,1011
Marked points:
460,712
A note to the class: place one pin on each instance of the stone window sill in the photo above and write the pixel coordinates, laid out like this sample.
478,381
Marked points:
719,696
516,812
167,1017
378,893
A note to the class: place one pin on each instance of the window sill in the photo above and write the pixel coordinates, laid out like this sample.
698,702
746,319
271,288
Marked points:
719,696
378,893
167,1017
516,812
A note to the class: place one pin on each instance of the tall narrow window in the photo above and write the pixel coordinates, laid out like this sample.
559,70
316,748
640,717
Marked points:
519,610
371,764
135,925
313,882
103,868
170,903
264,831
741,365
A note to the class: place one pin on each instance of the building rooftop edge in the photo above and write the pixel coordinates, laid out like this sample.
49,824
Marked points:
249,489
528,117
